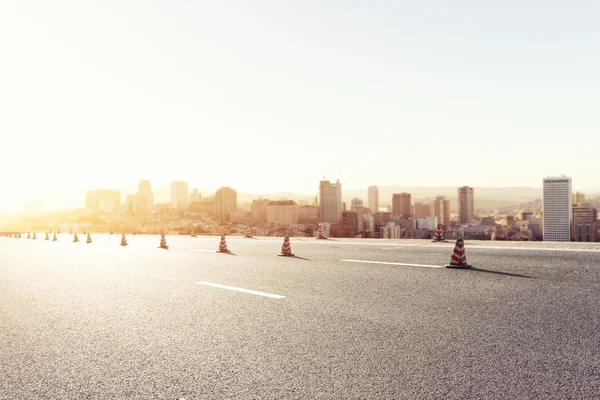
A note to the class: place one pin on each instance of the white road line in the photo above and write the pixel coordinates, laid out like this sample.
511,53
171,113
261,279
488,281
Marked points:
477,247
273,296
394,263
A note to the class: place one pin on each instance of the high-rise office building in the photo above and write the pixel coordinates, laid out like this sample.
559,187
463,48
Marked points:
401,204
330,201
440,208
557,203
144,199
259,209
225,203
466,205
422,210
195,196
373,198
180,195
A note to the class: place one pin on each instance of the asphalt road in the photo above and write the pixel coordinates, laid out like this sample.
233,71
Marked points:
100,321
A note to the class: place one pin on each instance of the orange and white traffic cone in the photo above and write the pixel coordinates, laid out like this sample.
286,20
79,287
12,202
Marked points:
89,239
75,238
123,241
193,233
286,249
320,233
33,238
163,242
28,235
46,238
459,257
18,235
133,231
223,245
54,239
438,235
111,231
248,234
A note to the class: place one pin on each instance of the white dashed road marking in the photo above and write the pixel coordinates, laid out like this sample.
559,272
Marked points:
216,285
394,263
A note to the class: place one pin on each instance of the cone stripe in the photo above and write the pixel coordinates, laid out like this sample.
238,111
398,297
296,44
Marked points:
459,256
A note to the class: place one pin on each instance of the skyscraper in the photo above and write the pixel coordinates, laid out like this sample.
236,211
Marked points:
180,195
440,208
373,198
225,203
466,205
144,199
401,204
330,201
558,200
422,210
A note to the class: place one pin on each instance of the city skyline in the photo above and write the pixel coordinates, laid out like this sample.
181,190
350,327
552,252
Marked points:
225,98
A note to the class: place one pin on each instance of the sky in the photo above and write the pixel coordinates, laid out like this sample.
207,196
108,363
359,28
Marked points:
270,96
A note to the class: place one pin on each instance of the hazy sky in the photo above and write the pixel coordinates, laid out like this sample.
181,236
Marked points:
269,96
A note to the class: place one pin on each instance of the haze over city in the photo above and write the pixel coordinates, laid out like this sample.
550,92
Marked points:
269,97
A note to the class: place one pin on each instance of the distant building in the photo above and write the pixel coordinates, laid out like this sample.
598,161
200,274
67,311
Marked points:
429,223
466,205
308,214
557,202
526,216
102,200
282,212
422,210
225,203
180,195
330,201
144,198
401,204
488,221
440,208
196,196
584,223
259,209
373,198
578,198
355,204
390,231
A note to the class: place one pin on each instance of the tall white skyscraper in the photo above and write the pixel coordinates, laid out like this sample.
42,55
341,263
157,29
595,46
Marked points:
330,204
180,195
558,203
373,198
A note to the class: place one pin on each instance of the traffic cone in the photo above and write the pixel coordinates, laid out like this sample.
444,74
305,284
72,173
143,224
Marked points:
19,235
459,257
123,241
58,231
248,234
111,231
193,233
89,239
46,238
438,235
84,231
163,243
286,249
33,238
223,246
54,239
70,231
320,233
162,230
133,231
75,238
28,235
